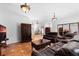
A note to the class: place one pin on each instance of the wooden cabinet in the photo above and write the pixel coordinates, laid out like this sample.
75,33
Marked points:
25,32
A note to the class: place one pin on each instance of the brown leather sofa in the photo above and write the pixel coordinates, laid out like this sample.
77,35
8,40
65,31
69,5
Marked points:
51,36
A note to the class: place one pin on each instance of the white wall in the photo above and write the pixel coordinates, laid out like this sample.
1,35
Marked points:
12,16
65,12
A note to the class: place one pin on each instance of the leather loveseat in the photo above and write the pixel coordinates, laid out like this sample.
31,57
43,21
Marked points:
51,36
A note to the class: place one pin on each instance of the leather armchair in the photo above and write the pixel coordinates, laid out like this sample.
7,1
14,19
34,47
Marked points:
51,36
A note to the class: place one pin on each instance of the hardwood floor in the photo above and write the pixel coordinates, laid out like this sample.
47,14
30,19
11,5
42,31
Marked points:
18,49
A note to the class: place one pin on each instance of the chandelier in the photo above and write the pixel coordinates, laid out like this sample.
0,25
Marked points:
54,17
25,7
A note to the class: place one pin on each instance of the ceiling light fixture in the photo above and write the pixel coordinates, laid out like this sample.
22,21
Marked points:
25,7
54,17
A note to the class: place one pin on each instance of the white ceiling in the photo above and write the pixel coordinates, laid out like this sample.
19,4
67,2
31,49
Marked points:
43,12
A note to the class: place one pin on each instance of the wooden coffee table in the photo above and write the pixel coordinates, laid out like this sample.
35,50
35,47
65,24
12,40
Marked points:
39,44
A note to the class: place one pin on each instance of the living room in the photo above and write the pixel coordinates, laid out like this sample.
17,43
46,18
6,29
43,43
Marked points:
47,24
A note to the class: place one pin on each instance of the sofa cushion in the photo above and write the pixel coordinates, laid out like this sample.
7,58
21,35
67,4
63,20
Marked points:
64,52
44,52
76,37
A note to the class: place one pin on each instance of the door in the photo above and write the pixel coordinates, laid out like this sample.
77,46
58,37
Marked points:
25,32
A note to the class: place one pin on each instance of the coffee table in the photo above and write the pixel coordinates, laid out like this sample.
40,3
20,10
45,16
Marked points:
39,44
